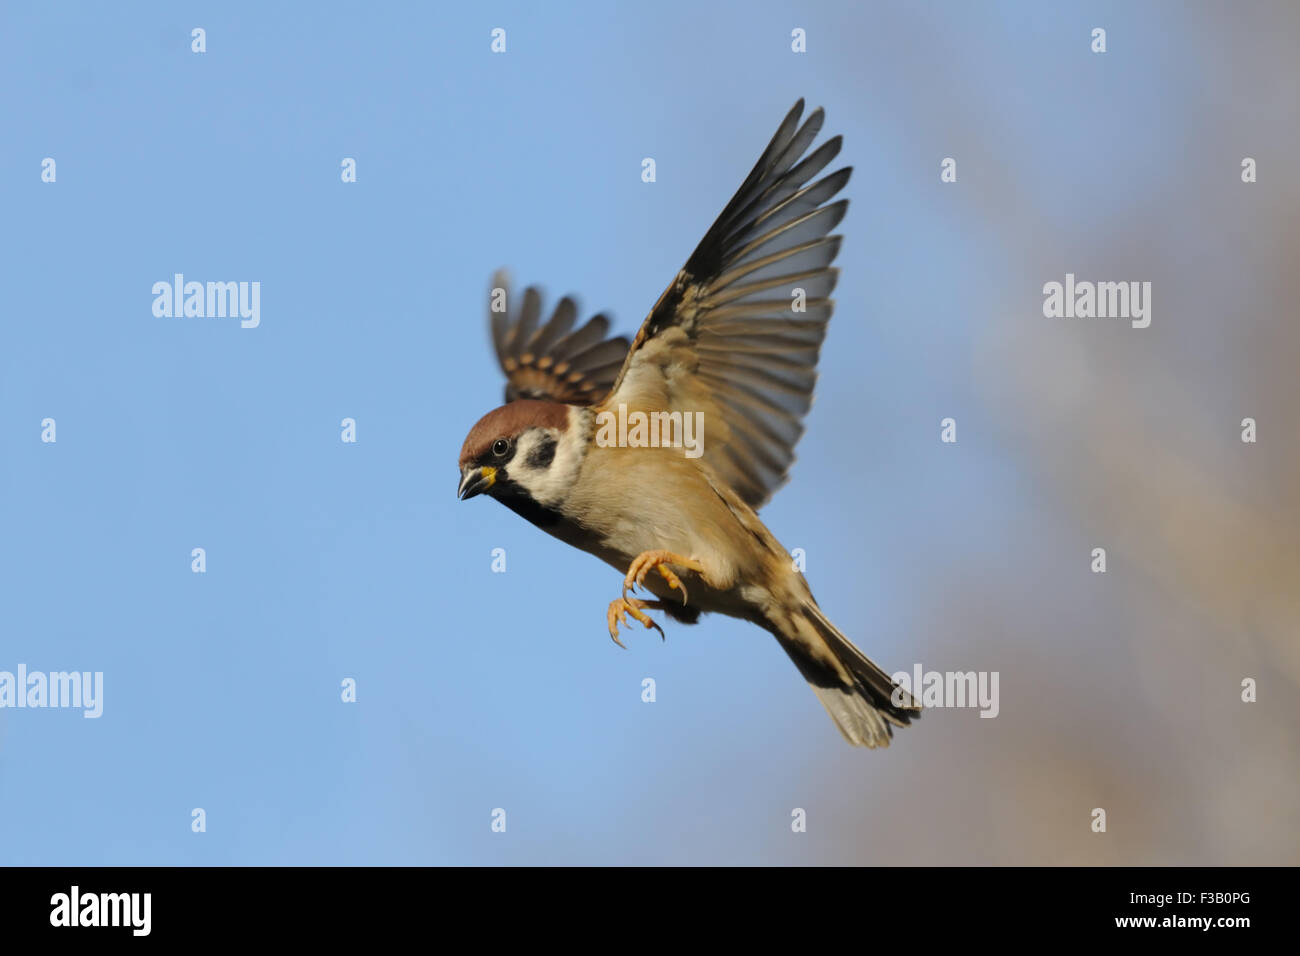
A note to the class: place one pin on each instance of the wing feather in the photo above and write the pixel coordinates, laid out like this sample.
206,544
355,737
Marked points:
552,361
753,302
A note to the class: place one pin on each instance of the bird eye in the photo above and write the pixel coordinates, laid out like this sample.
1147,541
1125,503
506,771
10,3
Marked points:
500,447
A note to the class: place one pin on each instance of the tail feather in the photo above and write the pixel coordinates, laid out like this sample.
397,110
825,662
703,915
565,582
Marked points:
863,708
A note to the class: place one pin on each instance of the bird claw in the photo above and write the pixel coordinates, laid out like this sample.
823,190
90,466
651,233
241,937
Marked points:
620,608
659,561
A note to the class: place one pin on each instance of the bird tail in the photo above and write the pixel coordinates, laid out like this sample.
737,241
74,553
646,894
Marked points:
869,705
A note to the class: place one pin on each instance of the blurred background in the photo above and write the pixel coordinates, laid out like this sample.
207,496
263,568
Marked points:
478,690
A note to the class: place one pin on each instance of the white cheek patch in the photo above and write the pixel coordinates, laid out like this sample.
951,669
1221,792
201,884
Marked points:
548,485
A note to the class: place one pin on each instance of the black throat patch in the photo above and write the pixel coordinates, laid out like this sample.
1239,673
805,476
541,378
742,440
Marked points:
523,504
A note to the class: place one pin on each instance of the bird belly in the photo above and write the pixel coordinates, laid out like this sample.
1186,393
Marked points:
678,511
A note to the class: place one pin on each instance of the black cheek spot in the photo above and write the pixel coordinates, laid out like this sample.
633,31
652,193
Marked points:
542,456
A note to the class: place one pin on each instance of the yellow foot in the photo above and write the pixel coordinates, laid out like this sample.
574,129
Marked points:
620,608
659,560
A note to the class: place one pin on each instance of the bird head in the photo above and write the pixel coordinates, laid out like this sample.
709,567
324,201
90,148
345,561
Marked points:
511,453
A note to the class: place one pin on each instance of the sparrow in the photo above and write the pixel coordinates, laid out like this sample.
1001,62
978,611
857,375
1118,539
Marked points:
732,343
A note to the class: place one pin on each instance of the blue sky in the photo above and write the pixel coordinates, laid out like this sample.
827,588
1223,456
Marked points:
328,560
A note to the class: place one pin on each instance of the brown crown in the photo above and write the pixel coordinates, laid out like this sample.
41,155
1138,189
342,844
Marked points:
508,421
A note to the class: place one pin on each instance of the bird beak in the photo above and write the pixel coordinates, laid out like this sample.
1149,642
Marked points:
475,481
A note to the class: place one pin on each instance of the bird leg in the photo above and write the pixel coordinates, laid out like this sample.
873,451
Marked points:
659,560
620,608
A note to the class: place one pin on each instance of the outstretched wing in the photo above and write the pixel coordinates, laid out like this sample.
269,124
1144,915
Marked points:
551,362
738,332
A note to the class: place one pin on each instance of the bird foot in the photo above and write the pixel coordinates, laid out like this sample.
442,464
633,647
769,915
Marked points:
659,561
620,608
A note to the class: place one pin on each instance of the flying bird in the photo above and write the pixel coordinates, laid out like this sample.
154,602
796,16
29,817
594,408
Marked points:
732,343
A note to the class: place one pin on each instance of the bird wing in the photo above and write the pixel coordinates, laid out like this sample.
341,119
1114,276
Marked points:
738,332
552,361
